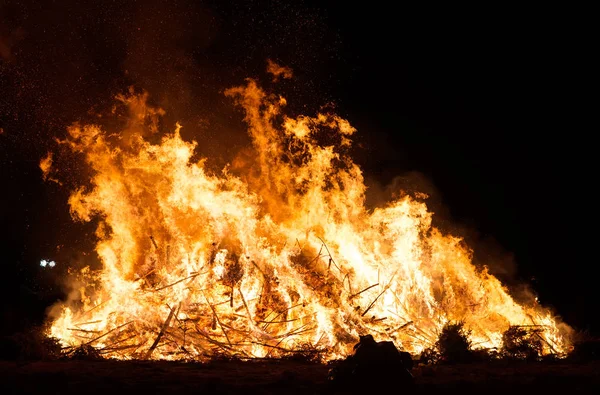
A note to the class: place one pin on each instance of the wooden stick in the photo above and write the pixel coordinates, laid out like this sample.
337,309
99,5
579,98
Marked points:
82,330
175,283
277,346
270,312
284,311
122,340
546,341
344,279
373,302
283,321
270,346
145,275
259,269
160,334
364,290
406,324
349,284
112,346
428,336
243,331
317,257
296,331
242,305
262,290
92,309
177,312
82,336
329,253
531,326
250,321
426,340
218,320
402,304
110,331
109,350
220,303
88,323
382,292
209,339
319,341
538,335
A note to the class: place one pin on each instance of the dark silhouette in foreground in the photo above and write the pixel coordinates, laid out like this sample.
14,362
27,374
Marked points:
373,366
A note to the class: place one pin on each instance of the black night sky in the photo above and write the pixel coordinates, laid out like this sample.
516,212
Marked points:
488,110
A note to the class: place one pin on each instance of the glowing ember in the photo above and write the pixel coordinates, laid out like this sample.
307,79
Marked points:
275,253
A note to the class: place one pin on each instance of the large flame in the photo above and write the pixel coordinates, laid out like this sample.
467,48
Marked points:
275,253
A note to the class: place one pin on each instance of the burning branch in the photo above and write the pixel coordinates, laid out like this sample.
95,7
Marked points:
88,323
249,315
107,333
218,320
347,276
364,290
279,314
82,330
92,309
330,256
161,333
154,242
373,302
175,283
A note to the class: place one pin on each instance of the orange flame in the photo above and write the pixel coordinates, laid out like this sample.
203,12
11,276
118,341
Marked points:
272,254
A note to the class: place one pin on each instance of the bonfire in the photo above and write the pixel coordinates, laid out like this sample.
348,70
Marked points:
274,254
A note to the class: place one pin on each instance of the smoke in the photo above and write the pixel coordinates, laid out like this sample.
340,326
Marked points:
413,183
487,251
66,62
8,40
77,56
74,284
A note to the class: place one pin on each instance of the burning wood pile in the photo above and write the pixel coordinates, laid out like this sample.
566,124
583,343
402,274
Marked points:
273,256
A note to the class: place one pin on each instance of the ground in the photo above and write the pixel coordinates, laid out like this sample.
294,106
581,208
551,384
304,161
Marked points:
282,377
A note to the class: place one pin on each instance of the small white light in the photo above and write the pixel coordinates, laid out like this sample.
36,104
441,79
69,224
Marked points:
44,263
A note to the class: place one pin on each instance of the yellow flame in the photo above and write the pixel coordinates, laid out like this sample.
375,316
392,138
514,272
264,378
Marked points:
272,254
46,165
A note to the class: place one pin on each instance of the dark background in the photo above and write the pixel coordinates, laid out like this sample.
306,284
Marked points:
489,110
